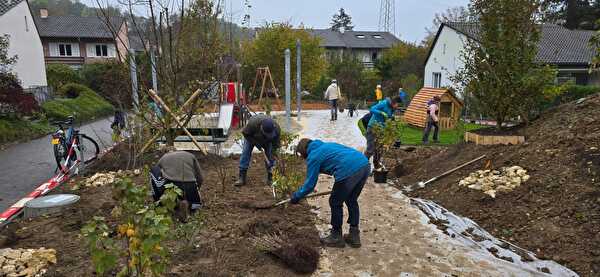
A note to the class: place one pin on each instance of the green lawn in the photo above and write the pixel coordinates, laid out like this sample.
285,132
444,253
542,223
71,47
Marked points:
413,136
12,129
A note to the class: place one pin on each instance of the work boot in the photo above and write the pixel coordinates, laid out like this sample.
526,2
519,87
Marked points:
269,178
242,181
182,211
334,239
353,237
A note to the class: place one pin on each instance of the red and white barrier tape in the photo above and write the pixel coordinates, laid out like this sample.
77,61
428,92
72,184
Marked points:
41,190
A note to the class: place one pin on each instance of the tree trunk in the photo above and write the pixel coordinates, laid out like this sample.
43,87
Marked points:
572,11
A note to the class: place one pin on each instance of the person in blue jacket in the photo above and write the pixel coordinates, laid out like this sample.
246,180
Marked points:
350,168
380,113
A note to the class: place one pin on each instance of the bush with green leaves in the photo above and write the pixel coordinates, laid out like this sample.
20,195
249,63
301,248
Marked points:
110,80
286,179
141,231
386,136
59,75
86,106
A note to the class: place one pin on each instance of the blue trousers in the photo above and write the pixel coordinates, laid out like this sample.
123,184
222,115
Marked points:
247,155
347,191
431,125
333,105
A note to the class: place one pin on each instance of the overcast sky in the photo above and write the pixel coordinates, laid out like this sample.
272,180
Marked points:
412,16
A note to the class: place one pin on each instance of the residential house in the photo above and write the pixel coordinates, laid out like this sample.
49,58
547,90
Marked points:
567,50
24,42
77,40
366,46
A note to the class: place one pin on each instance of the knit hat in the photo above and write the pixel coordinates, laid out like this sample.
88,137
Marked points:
268,128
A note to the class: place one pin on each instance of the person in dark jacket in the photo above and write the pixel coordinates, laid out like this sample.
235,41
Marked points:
350,168
263,133
183,170
380,112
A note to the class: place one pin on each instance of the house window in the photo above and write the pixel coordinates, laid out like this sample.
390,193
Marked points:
437,79
360,36
26,25
101,50
377,36
65,50
444,49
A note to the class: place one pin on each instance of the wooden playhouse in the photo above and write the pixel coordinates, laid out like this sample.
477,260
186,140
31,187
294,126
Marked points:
450,108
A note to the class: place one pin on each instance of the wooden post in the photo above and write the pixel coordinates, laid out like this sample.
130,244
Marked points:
158,100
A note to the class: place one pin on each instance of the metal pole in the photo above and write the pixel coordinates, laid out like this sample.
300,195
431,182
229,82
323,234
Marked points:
154,80
134,81
288,87
298,77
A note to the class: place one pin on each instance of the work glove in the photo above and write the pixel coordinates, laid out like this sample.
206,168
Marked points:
295,199
385,116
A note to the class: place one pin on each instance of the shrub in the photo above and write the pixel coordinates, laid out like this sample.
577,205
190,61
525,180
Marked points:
13,129
575,92
88,105
71,90
12,98
110,80
61,74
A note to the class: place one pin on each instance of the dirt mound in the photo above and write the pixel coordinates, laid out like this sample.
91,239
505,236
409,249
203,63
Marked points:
221,247
554,213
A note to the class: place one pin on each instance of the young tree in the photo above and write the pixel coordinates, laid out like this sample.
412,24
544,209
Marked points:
341,20
500,77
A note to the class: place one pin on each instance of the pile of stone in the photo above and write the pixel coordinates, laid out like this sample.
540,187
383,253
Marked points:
106,178
25,262
493,181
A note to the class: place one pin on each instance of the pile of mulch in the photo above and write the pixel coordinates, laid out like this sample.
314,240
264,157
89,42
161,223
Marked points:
223,245
556,214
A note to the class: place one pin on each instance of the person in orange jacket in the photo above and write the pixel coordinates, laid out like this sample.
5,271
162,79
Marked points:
378,93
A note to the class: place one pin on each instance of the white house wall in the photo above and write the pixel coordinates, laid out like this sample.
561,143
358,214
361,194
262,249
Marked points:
26,44
445,57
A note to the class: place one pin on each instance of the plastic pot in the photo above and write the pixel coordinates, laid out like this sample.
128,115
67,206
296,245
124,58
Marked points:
380,177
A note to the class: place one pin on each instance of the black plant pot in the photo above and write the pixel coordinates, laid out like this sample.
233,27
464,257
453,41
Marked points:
380,177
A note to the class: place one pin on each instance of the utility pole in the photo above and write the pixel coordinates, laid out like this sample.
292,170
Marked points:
134,81
387,16
288,88
298,78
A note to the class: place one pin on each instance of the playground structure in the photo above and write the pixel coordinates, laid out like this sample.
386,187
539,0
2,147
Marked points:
263,74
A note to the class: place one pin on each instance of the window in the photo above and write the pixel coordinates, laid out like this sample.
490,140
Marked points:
437,79
101,50
444,49
65,50
360,36
374,56
377,36
26,25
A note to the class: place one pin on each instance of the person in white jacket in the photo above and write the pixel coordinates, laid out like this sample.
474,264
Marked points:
333,94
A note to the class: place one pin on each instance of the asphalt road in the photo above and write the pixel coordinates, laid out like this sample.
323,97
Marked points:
25,166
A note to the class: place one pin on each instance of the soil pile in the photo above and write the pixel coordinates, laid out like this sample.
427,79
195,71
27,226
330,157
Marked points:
555,213
220,247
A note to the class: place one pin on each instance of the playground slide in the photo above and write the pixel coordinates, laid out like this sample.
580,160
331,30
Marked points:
225,116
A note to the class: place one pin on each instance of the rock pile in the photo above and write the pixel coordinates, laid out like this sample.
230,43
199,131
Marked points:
106,178
25,262
493,181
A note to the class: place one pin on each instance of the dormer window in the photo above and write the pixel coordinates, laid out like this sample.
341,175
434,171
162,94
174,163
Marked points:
377,36
360,36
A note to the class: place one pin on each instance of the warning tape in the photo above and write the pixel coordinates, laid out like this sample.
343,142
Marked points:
41,190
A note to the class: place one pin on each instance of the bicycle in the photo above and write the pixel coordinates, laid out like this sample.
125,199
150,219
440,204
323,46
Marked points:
72,149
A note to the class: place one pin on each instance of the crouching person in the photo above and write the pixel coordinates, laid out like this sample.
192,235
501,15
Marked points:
183,170
350,169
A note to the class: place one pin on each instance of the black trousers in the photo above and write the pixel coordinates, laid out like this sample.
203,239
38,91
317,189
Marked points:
189,189
347,191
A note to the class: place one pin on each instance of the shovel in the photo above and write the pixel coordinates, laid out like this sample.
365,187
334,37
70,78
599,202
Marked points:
269,204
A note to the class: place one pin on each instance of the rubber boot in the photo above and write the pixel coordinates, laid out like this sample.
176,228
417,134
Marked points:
353,237
334,239
242,181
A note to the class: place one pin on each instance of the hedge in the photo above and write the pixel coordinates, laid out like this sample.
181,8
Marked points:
13,129
88,105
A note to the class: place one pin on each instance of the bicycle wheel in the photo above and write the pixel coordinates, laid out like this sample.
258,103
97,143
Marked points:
89,149
60,153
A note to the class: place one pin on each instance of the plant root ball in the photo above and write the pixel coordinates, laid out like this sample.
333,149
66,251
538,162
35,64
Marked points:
299,257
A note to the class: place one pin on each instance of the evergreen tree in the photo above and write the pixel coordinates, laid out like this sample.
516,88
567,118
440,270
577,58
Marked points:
341,20
573,14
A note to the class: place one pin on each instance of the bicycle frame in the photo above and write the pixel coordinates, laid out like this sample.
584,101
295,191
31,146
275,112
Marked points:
71,140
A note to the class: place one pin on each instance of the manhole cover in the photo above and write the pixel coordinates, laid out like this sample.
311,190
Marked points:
49,204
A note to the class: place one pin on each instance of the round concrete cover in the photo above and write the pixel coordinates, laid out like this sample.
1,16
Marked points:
55,200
